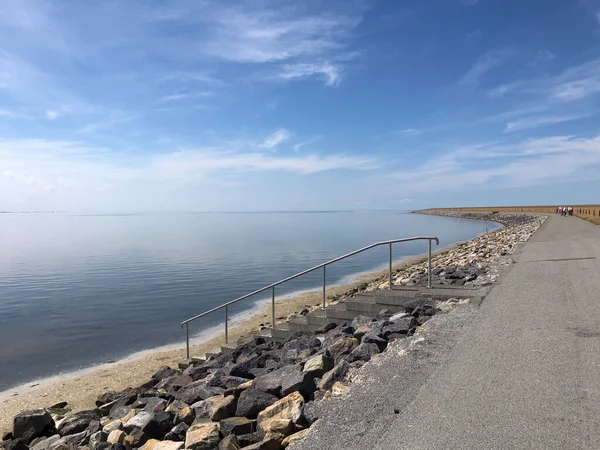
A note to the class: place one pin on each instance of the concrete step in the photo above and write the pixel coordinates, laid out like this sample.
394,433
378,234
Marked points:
370,308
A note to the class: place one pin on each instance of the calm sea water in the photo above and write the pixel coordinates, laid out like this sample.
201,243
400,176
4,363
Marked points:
78,290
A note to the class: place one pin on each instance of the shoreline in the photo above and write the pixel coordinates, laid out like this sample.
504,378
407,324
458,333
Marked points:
81,387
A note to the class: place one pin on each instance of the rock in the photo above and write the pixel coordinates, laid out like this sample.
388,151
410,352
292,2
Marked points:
361,331
72,440
325,328
215,408
289,407
185,415
336,374
31,424
253,401
227,382
159,424
108,397
284,381
153,444
79,422
338,388
401,326
197,391
46,444
384,314
277,428
343,347
364,352
310,412
296,437
140,420
267,444
229,443
318,365
174,382
136,439
177,433
113,425
250,438
14,444
116,437
7,436
96,438
237,426
373,338
202,437
360,321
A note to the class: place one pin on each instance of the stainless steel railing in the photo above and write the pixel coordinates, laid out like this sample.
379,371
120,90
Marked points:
320,266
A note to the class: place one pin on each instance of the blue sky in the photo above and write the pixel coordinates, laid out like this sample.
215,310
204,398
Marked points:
131,105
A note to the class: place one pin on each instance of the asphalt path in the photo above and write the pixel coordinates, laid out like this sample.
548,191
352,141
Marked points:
521,371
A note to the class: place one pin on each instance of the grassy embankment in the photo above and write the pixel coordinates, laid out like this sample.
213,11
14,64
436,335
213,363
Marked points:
590,213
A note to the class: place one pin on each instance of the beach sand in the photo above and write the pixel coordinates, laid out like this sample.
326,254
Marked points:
80,389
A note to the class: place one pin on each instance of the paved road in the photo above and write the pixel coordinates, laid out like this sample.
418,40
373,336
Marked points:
523,374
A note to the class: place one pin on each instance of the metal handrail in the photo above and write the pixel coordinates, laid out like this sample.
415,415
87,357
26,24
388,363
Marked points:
312,269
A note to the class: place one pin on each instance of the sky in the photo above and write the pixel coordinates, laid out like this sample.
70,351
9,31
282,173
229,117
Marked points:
202,105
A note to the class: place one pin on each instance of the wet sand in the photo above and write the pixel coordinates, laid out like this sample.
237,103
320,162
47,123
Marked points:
80,389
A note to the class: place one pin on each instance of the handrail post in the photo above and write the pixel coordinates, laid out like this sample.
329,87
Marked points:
429,264
187,340
324,280
273,307
226,325
391,282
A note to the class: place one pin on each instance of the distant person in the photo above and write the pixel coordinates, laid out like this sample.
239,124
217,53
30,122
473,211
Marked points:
570,210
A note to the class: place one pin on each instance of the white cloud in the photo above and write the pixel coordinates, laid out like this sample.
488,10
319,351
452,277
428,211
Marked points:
531,162
575,83
541,121
107,123
275,139
330,72
51,114
300,145
542,57
409,132
485,63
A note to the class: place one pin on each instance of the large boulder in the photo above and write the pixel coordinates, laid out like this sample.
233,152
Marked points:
311,412
343,347
136,439
229,443
116,437
318,365
237,426
204,436
336,374
289,408
14,444
286,380
154,444
177,433
294,438
46,444
31,424
79,422
364,352
373,338
226,381
267,444
159,424
215,408
246,440
252,401
97,438
360,321
197,391
174,382
401,326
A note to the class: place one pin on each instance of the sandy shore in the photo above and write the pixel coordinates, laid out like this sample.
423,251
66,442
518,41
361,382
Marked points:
80,389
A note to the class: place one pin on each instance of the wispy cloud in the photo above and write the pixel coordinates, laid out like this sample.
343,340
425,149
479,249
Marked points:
275,139
484,64
52,114
542,57
330,72
531,162
409,132
108,123
300,145
575,83
541,121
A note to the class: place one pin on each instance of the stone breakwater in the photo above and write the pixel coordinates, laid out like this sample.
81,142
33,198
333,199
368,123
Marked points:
263,394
